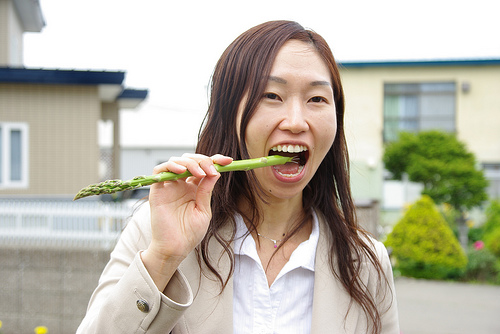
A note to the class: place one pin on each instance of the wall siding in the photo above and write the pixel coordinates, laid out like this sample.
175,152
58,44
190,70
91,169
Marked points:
63,139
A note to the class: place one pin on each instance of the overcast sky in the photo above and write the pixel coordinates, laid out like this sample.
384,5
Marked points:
171,47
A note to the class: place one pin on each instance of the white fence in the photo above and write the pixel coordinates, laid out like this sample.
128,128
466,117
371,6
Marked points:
91,224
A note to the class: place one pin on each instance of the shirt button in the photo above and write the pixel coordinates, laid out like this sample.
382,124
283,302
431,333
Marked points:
143,305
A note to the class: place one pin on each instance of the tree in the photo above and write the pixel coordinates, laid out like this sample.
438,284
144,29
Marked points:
444,166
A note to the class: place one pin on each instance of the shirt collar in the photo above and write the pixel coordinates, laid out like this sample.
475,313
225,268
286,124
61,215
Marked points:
304,255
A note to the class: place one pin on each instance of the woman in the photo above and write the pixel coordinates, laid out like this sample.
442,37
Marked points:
273,250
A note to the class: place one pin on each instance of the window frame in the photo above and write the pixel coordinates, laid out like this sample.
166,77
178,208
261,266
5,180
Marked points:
492,174
5,150
417,90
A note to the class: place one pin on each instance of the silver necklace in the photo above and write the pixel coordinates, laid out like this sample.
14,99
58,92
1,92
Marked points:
273,240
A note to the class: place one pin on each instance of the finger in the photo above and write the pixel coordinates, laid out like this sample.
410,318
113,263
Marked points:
190,155
216,158
205,162
180,165
221,159
170,166
207,165
193,166
194,156
194,180
204,192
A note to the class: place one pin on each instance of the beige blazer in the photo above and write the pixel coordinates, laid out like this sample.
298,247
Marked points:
191,302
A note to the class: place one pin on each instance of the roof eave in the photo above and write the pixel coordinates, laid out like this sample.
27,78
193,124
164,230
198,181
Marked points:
421,63
30,14
131,98
109,84
54,76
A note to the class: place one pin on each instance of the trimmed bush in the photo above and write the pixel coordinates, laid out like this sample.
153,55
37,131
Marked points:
482,266
424,246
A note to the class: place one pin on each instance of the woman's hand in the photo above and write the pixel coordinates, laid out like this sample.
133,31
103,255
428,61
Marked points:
180,213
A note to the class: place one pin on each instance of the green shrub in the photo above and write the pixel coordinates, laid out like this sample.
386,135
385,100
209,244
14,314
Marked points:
482,266
424,246
492,241
492,221
476,234
491,228
450,215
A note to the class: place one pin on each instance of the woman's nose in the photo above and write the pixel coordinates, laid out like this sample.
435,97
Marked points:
294,117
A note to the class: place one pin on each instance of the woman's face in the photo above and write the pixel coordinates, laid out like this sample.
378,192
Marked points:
296,117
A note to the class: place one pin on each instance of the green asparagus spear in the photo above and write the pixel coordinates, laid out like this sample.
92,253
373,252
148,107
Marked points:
112,186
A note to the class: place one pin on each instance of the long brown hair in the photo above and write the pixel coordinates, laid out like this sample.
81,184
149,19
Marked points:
243,70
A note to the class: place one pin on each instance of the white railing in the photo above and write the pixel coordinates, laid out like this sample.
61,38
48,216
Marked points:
91,224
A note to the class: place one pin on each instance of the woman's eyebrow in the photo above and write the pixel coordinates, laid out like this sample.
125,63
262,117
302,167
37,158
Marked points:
320,83
284,82
277,79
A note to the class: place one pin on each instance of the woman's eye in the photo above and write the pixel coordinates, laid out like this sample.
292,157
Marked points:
271,96
318,99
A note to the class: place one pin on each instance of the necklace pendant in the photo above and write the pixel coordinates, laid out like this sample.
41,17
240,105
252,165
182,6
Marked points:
275,242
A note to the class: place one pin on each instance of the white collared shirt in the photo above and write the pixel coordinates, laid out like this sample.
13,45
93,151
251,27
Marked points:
286,306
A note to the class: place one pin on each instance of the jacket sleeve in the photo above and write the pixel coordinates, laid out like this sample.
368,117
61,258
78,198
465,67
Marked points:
387,296
126,299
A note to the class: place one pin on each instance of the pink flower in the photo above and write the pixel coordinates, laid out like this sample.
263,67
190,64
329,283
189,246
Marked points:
478,245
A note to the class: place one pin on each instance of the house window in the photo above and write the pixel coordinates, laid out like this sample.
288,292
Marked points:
414,107
492,174
13,155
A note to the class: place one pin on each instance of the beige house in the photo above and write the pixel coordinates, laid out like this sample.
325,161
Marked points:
49,117
382,98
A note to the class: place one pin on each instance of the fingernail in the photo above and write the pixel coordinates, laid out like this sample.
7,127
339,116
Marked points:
201,171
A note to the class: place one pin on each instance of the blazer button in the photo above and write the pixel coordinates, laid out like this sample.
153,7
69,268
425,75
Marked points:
143,305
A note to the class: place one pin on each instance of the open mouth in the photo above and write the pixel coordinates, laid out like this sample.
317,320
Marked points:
300,155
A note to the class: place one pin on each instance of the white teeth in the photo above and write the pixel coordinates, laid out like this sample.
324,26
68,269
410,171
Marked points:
289,148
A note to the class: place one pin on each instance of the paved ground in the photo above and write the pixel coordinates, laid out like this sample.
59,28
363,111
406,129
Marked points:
431,307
